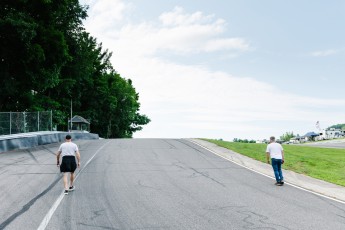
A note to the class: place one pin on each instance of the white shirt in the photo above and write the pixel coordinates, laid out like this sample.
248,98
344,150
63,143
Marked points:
275,150
68,149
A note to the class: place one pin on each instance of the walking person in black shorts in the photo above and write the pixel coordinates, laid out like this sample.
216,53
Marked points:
69,151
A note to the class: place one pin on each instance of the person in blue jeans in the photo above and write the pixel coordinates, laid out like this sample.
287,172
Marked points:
275,153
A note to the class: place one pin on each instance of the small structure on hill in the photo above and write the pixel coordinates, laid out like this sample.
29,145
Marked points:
79,124
310,136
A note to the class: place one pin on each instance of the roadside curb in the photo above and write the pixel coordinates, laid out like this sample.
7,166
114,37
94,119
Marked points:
306,183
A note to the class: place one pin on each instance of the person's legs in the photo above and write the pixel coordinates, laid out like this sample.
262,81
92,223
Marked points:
280,172
64,171
73,166
275,169
71,179
65,180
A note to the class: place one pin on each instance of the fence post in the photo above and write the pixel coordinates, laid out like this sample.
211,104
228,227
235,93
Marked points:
51,120
24,123
38,121
10,123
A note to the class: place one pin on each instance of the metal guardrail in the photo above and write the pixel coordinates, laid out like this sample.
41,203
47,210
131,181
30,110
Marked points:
30,140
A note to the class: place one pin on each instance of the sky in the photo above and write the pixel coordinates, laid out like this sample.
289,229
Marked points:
227,69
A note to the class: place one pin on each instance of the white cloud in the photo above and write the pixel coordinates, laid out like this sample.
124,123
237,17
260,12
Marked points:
191,100
228,43
176,32
179,17
324,53
103,14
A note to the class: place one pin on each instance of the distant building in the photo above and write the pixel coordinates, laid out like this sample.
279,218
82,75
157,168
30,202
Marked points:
79,124
264,141
311,136
297,140
331,133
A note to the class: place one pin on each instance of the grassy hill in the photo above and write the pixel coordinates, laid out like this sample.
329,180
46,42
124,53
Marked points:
326,164
338,126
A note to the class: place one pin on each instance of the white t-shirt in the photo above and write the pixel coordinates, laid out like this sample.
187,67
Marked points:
68,149
275,150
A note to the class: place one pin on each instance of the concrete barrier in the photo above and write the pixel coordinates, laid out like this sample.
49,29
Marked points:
30,140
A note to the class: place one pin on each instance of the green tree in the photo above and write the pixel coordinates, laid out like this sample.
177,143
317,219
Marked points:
337,126
287,136
47,59
34,47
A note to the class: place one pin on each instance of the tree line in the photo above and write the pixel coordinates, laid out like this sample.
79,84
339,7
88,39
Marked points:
47,59
337,126
243,140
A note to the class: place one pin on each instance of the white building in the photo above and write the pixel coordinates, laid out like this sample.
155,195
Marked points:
331,133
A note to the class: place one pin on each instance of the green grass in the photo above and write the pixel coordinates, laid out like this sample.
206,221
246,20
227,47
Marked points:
326,164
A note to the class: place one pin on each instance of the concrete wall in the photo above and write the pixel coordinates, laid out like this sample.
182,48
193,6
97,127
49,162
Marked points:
29,140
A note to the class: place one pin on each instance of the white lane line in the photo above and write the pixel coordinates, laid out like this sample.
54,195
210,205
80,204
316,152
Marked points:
50,213
293,185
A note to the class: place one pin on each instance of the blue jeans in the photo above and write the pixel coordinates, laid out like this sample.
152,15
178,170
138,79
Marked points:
277,168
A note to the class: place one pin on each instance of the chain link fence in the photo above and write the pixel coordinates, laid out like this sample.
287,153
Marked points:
23,122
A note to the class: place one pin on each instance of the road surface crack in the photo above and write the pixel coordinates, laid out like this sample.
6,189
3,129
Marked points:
28,205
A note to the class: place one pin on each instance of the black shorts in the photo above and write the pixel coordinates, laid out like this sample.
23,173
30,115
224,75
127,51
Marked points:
68,164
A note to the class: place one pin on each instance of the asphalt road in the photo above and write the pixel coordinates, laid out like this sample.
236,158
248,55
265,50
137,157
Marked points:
153,184
338,144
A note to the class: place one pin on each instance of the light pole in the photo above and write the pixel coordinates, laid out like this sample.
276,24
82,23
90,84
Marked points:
71,116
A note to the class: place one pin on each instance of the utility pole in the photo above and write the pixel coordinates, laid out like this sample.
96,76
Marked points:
71,116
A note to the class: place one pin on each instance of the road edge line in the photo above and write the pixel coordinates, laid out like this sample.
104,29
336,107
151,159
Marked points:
56,204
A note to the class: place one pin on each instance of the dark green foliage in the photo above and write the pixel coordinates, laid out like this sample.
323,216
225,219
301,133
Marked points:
47,59
338,126
243,141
